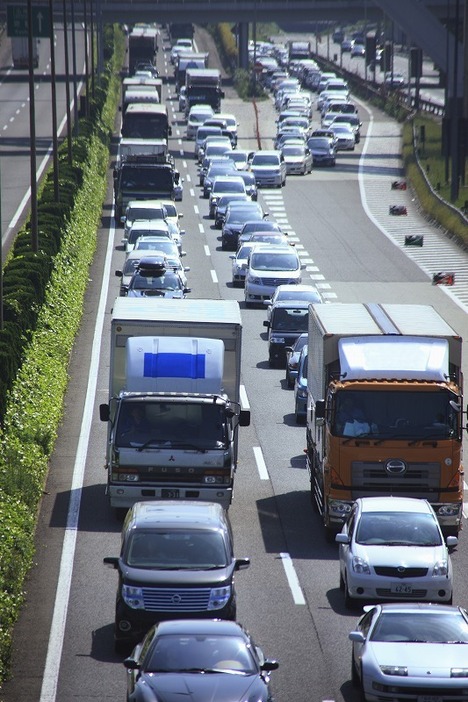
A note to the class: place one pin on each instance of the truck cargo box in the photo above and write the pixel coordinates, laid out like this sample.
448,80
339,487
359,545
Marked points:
174,364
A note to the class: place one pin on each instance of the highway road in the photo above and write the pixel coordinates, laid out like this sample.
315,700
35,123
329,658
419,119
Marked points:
289,598
14,121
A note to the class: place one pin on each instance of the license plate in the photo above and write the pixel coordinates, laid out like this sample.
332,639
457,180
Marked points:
402,589
170,494
429,698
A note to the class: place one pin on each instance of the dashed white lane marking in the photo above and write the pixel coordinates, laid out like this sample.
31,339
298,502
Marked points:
207,250
201,228
245,404
293,580
188,178
196,210
214,277
192,192
260,461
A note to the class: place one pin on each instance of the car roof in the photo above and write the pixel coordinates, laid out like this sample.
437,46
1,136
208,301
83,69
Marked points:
275,249
394,504
150,224
295,304
220,627
176,514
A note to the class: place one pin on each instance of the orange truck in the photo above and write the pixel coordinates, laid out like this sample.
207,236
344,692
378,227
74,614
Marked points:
384,408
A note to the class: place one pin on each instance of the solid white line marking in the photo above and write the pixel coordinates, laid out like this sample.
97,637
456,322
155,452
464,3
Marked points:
293,580
261,465
214,277
62,596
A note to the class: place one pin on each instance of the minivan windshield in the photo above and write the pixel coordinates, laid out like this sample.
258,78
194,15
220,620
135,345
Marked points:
176,549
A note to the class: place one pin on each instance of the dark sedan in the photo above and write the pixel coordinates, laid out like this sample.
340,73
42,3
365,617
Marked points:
198,660
237,214
323,152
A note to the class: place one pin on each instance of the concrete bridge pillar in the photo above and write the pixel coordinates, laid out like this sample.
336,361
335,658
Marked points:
243,44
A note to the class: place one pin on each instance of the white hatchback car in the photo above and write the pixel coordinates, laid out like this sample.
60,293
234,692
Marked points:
270,266
392,548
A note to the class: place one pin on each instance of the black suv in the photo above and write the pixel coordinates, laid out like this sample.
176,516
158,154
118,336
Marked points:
176,561
288,320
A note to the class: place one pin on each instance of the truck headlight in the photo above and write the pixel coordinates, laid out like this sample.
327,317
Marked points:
133,596
125,477
219,597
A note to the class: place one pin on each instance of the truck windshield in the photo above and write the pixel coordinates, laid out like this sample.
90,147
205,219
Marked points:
171,424
395,414
141,126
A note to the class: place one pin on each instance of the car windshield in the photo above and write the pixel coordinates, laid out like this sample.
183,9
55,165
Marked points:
421,627
244,252
406,415
265,160
397,529
228,186
238,216
136,232
311,296
293,150
145,213
170,209
264,225
148,244
175,550
319,143
146,280
199,652
274,262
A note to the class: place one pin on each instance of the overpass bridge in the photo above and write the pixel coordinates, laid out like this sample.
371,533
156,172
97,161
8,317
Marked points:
421,20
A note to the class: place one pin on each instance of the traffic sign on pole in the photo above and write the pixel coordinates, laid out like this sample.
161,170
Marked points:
17,21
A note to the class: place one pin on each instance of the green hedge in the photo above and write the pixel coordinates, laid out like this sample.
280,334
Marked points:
44,295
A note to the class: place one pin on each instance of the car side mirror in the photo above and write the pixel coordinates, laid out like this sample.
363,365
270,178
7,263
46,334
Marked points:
266,323
119,274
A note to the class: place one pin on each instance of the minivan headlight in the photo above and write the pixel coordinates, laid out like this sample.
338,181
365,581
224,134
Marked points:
219,597
133,596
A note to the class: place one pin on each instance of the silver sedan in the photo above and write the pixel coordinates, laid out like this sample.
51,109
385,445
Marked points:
298,159
411,652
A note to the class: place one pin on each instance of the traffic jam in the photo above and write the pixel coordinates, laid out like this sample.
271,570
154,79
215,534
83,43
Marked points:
381,410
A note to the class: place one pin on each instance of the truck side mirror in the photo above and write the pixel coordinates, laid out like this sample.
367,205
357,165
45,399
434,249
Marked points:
244,418
320,409
266,323
119,274
169,131
104,413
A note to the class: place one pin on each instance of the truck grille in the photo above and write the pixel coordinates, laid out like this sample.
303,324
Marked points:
422,479
176,600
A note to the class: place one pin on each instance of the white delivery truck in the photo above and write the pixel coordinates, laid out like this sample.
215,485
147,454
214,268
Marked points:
174,400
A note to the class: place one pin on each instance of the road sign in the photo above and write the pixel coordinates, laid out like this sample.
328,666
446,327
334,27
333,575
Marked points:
17,21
